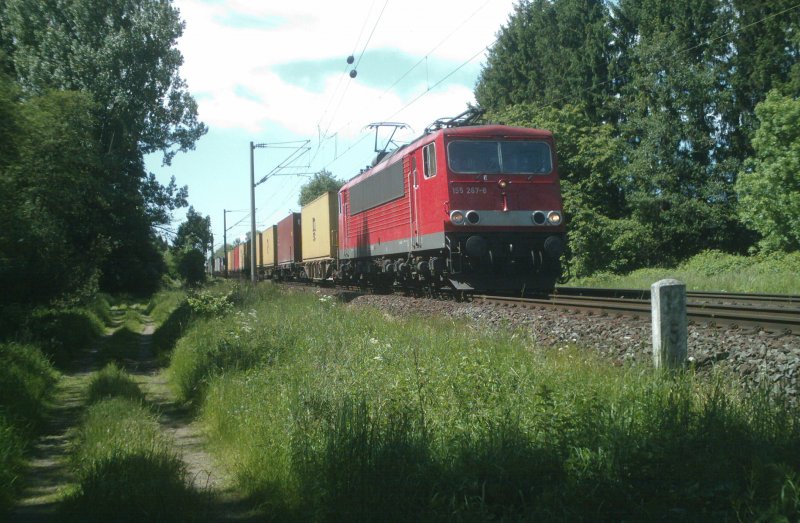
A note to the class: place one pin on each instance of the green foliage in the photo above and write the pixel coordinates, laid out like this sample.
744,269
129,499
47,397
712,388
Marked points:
210,303
12,446
319,184
326,413
62,333
541,57
191,246
101,89
27,380
769,187
775,273
191,266
126,470
125,56
110,382
51,200
195,232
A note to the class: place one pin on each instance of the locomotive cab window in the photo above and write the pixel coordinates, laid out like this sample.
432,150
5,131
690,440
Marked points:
499,157
429,161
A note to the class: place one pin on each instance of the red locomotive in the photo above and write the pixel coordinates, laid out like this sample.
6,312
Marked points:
475,207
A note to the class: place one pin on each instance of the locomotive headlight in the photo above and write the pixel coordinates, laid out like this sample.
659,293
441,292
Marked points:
503,184
554,217
457,217
538,217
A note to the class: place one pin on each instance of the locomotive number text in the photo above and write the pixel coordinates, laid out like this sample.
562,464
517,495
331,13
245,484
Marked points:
469,190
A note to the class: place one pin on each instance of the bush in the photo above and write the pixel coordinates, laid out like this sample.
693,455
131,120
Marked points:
777,273
113,382
27,380
12,446
63,333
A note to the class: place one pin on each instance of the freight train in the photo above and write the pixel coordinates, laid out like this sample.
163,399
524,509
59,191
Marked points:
463,207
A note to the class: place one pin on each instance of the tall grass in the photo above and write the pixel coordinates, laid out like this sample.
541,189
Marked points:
126,469
327,413
777,273
162,304
27,380
63,333
113,382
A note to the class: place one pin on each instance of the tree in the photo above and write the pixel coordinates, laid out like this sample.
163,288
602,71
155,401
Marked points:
191,246
769,186
191,266
122,56
766,49
678,186
121,52
552,52
51,197
320,183
195,232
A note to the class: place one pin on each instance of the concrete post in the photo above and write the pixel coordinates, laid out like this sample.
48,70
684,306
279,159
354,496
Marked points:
668,300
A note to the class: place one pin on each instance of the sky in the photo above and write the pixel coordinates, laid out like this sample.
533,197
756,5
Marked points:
276,73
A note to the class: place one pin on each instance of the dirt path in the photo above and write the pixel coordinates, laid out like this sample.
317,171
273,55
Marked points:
49,474
176,419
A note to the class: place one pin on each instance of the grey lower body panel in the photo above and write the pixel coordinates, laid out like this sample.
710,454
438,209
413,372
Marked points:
405,246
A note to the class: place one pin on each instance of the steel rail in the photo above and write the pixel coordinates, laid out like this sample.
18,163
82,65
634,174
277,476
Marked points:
759,317
740,297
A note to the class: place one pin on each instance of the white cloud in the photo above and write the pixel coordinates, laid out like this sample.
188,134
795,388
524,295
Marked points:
231,68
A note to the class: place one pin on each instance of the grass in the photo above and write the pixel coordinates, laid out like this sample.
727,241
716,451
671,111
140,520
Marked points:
27,380
331,414
162,305
112,382
62,333
126,469
777,273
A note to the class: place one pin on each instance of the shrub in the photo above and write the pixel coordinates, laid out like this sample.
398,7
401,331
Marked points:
62,333
11,449
113,382
27,380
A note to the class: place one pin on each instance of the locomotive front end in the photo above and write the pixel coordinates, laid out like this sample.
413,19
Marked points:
504,228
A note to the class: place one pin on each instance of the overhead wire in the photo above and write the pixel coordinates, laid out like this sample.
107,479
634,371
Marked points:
342,75
410,69
355,68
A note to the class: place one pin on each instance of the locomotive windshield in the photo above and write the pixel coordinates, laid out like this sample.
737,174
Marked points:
499,157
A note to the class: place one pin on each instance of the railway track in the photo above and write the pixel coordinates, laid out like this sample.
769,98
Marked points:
768,312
